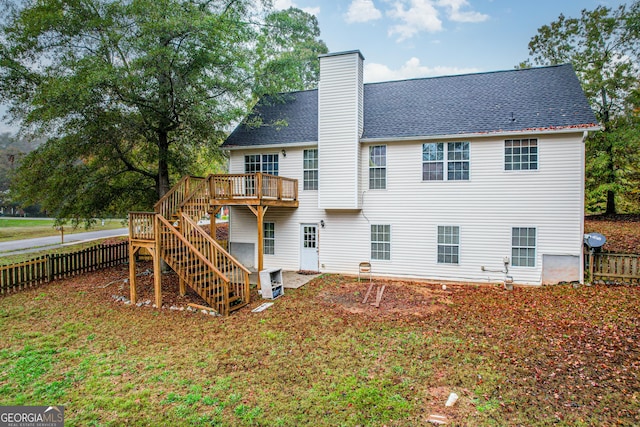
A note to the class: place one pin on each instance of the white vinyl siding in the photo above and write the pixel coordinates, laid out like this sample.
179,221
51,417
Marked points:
520,154
310,169
485,209
380,242
339,124
378,167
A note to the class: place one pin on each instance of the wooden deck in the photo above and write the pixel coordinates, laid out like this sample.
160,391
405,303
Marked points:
253,189
171,234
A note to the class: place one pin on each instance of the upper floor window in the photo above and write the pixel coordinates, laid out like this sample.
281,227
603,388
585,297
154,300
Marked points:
266,163
380,242
456,158
310,169
523,247
520,154
377,167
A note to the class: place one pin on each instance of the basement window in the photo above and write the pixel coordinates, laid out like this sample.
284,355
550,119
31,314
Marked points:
448,244
269,240
523,247
380,242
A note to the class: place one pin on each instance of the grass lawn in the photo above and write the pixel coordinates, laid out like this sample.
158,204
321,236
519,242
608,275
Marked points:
533,356
16,229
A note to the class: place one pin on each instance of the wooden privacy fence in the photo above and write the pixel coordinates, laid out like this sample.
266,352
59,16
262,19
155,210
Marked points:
615,267
46,268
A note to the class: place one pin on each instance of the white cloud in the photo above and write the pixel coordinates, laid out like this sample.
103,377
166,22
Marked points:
415,16
456,15
362,11
286,4
411,69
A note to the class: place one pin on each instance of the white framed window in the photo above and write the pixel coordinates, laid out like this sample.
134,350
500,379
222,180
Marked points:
310,169
455,157
269,238
433,161
520,154
448,244
266,163
458,161
377,167
523,247
380,242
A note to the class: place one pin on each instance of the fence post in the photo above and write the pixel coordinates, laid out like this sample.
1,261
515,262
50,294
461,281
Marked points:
591,258
47,268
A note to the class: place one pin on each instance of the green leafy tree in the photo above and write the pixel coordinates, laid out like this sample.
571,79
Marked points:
136,93
603,46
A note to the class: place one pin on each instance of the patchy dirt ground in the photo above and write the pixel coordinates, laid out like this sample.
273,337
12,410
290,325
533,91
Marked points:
399,298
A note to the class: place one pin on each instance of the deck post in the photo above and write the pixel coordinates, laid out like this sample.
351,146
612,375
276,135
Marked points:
133,295
157,267
260,215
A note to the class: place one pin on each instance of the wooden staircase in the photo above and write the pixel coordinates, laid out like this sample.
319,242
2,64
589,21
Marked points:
172,234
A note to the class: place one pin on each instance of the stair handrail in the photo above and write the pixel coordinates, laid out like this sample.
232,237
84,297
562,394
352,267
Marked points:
195,250
172,199
194,225
188,200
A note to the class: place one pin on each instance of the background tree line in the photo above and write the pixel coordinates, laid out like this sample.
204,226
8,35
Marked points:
133,94
604,47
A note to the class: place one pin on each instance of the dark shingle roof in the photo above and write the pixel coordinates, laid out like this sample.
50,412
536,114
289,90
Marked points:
517,100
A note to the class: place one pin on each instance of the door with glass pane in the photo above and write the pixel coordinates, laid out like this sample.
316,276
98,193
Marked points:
309,247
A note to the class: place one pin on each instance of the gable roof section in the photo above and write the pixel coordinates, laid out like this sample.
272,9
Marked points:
535,99
286,119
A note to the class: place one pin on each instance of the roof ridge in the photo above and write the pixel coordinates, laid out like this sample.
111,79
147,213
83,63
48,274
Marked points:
449,76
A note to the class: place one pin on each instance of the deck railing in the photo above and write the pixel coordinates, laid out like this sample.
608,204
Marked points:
253,186
142,225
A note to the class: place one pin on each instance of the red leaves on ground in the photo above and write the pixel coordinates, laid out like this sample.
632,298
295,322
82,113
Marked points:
622,232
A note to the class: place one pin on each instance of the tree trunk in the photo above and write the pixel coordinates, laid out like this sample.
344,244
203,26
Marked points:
163,184
611,203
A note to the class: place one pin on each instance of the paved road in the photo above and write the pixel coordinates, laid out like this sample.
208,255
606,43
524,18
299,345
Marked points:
51,242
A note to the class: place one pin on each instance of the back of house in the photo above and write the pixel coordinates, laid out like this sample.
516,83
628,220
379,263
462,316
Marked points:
474,178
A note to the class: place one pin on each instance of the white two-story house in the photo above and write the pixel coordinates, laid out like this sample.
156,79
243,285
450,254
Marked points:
473,178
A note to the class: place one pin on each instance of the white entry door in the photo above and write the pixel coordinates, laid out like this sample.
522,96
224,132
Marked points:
309,247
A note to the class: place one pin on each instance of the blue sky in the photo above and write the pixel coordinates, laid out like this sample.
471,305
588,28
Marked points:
420,38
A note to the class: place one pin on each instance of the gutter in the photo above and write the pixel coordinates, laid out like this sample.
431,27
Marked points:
585,130
558,131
